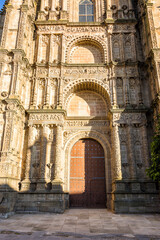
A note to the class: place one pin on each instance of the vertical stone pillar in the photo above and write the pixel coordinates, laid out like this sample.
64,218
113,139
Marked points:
133,46
45,136
34,93
51,51
8,132
117,154
49,164
31,141
64,5
145,145
58,156
114,93
14,77
42,5
21,29
39,48
60,93
9,8
130,5
53,5
132,164
108,9
126,91
46,95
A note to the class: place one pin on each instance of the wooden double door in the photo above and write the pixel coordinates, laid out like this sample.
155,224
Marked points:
87,175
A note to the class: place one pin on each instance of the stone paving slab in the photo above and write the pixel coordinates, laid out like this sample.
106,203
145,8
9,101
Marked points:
81,224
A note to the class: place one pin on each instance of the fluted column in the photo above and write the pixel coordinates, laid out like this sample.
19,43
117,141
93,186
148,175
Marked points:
58,156
117,154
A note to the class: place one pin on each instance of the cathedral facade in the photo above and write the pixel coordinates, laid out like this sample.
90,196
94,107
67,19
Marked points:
79,89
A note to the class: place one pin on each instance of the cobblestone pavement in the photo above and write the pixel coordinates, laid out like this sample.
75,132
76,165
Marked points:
81,224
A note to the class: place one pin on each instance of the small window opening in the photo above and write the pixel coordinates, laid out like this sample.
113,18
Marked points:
86,11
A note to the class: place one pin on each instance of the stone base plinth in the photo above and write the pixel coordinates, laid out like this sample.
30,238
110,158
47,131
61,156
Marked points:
41,202
7,203
135,197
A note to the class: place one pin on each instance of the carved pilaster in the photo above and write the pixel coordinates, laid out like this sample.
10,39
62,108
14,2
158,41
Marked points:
9,8
108,9
21,29
151,24
132,166
35,89
60,93
114,93
117,155
133,46
14,77
31,141
39,48
145,145
58,156
7,132
46,96
43,5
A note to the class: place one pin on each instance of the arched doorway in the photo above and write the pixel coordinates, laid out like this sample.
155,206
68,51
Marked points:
87,175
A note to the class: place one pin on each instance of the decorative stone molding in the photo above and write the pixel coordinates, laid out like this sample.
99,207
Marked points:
86,38
87,84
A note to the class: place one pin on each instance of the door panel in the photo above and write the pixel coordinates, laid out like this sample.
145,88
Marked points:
87,175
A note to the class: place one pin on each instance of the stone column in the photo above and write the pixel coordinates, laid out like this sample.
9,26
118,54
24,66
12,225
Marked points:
58,156
60,93
34,95
39,57
42,5
117,154
52,13
114,93
46,95
130,5
14,77
49,164
145,145
132,164
133,46
64,5
9,8
31,141
21,29
108,9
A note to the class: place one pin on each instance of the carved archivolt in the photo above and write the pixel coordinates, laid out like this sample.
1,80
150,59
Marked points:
73,138
88,39
87,84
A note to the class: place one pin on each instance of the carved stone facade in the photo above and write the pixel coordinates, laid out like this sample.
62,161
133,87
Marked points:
62,80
